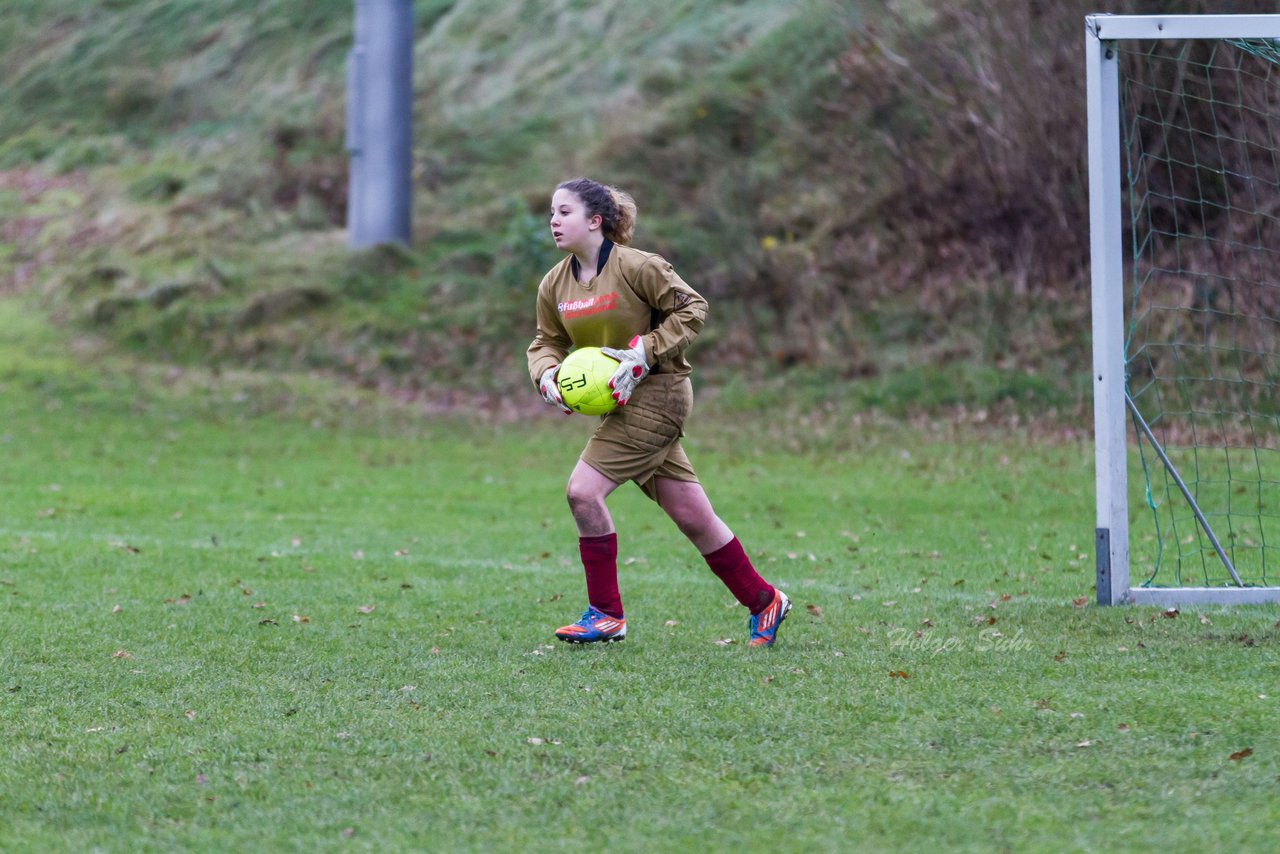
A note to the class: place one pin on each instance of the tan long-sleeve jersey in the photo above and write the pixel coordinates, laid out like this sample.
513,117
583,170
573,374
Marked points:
636,293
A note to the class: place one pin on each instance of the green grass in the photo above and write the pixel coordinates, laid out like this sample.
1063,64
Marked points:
243,611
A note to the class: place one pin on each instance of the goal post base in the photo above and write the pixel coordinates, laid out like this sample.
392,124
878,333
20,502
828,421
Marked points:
1102,552
1173,597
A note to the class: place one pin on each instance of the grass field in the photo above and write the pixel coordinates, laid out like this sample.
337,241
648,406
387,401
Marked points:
271,614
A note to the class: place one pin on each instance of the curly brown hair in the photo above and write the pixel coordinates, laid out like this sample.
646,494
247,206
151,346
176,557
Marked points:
616,208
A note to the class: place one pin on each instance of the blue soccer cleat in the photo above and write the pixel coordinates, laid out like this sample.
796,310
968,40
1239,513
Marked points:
595,626
764,626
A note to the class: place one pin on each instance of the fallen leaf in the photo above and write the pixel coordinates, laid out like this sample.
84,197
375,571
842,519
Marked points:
298,618
1170,613
1123,728
898,674
120,653
768,679
1085,744
814,610
927,623
581,780
1205,621
367,609
116,609
191,715
670,623
726,641
1241,754
1062,653
1080,601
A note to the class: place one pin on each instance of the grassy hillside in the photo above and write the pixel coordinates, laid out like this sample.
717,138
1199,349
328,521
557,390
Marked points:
862,201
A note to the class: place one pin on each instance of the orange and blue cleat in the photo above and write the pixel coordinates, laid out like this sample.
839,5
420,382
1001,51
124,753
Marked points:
764,626
595,626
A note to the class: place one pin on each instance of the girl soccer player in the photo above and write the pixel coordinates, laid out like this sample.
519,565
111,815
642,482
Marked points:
634,305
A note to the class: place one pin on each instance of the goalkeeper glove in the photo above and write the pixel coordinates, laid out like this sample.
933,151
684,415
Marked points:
550,391
632,368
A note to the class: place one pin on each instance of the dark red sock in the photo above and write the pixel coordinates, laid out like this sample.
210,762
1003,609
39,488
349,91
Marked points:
731,564
600,560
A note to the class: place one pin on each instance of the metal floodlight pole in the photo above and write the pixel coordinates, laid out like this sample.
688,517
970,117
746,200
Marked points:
380,123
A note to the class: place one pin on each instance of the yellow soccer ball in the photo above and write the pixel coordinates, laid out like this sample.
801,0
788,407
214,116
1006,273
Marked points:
584,381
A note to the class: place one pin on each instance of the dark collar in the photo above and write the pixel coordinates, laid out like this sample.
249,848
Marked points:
605,249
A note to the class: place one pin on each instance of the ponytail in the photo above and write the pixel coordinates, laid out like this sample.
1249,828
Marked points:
624,226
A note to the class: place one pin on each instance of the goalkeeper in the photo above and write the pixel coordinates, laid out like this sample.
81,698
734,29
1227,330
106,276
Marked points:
634,305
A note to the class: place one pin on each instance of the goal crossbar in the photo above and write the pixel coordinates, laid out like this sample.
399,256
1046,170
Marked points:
1127,27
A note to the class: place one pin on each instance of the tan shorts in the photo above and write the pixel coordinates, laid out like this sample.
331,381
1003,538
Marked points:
641,441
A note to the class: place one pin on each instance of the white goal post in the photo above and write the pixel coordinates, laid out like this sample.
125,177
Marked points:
1160,187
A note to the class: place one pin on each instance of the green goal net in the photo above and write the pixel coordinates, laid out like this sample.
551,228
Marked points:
1200,143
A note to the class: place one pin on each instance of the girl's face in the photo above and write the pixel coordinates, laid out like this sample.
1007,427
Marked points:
571,228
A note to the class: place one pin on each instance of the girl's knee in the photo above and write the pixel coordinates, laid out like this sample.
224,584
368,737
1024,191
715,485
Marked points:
580,498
